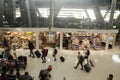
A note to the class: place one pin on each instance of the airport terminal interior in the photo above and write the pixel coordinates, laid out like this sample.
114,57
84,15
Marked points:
42,39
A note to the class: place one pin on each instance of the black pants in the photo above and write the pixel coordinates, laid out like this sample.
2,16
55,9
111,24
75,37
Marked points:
43,58
81,63
31,52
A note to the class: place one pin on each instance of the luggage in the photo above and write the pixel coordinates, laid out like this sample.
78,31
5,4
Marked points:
20,64
62,59
10,57
87,68
92,62
37,53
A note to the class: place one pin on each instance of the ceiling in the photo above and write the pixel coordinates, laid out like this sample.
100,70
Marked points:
72,3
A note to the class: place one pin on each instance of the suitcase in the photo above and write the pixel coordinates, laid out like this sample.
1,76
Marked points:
37,53
87,68
62,59
92,63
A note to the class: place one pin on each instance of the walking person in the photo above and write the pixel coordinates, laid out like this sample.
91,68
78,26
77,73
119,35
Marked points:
31,47
87,53
80,61
54,53
110,77
44,54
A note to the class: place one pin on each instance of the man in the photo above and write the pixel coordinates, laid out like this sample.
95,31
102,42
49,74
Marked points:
26,76
80,61
45,74
44,54
31,47
54,54
110,77
87,53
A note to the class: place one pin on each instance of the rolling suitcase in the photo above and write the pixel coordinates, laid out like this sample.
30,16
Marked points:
37,53
62,59
92,62
87,68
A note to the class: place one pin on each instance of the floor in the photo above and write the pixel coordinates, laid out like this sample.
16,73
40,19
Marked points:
106,62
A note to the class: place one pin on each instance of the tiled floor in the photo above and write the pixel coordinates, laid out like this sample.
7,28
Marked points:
106,61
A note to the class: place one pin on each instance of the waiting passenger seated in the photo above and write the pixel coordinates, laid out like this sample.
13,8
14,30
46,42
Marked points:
3,76
26,76
11,76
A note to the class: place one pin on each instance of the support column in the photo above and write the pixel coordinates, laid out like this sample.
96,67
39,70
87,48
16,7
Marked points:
107,42
114,39
61,40
37,40
28,12
1,12
113,5
51,13
98,15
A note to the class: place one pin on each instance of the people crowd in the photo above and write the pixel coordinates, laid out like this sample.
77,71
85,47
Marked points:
45,75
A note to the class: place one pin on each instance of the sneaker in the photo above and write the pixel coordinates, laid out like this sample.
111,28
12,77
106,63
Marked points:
75,67
55,59
81,68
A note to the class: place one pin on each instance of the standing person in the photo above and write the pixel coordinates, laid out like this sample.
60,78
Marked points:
54,54
5,43
66,43
3,76
80,61
31,47
110,77
14,47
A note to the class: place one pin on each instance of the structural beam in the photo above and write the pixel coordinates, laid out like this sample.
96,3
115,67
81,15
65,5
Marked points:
118,19
1,12
24,13
106,13
33,13
10,11
98,15
113,6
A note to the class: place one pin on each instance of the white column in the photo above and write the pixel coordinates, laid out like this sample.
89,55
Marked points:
61,40
114,39
37,40
107,42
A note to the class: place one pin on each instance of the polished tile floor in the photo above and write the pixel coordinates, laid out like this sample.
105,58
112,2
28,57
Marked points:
106,62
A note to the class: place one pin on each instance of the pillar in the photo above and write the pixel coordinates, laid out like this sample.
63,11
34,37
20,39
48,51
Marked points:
1,12
28,13
107,42
37,40
113,5
114,39
61,40
51,13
